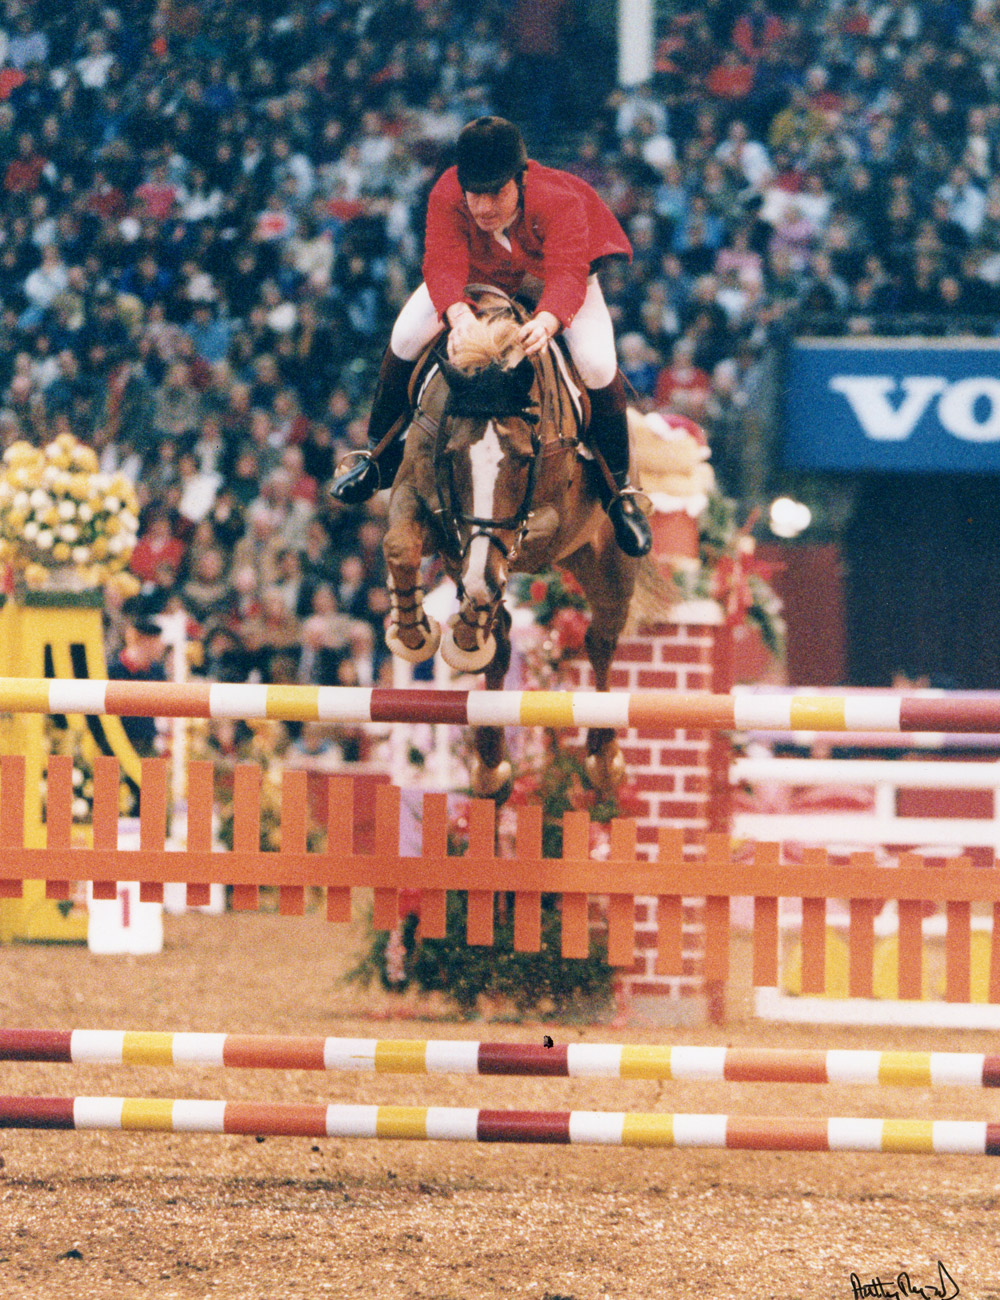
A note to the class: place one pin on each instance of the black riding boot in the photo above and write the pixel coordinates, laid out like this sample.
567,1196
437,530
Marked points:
609,435
389,405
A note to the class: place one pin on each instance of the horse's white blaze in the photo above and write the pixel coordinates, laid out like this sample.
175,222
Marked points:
486,457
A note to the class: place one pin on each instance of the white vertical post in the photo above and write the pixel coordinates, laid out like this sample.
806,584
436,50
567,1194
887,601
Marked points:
399,736
635,42
885,808
174,629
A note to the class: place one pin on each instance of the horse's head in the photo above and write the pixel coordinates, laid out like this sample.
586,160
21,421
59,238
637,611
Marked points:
486,464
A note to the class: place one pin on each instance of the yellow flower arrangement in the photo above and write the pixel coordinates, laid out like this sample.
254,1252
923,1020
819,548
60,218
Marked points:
59,512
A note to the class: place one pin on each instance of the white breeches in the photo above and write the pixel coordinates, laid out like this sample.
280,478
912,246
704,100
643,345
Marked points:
590,339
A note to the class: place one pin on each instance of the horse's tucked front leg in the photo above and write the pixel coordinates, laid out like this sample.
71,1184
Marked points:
491,773
412,634
469,644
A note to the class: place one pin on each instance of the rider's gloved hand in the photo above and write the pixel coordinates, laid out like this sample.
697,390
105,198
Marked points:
536,333
461,320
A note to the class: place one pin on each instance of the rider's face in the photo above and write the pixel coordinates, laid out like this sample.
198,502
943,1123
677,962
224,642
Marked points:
497,211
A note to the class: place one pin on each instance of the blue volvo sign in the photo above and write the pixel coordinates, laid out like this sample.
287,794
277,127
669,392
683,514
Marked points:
893,405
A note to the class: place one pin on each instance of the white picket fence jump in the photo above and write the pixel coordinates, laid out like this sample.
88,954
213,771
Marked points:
882,825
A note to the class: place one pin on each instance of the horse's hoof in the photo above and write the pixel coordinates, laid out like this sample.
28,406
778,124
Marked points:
487,782
467,661
431,632
605,771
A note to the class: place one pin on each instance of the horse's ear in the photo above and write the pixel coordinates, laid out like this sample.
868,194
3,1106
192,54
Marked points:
523,375
454,378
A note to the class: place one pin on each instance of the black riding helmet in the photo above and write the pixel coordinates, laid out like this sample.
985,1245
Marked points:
490,152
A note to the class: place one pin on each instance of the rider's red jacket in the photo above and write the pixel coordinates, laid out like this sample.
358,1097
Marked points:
562,227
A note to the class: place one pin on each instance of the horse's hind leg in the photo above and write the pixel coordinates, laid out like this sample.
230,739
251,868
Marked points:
608,580
604,763
491,773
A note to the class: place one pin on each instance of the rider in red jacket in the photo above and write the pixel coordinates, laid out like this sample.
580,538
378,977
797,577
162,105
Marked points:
497,218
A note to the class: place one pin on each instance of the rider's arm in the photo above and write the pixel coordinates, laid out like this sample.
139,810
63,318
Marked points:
446,242
560,217
458,317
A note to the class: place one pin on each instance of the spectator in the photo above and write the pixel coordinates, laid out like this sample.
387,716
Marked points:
291,581
206,591
226,658
156,545
25,172
44,285
540,32
140,660
198,488
177,408
256,551
794,235
210,335
682,386
757,31
28,44
639,366
271,635
157,194
747,157
327,638
732,79
826,294
965,200
639,101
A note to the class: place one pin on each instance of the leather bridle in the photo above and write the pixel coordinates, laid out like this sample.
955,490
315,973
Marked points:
454,519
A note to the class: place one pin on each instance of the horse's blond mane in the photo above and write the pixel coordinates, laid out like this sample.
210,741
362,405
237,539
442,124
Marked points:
489,340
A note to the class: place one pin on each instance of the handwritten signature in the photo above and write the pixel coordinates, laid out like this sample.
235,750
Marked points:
946,1289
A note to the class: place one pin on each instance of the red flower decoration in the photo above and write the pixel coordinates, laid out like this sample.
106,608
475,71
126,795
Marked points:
569,627
524,789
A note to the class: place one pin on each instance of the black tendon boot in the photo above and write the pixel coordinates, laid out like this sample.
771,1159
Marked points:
376,467
609,436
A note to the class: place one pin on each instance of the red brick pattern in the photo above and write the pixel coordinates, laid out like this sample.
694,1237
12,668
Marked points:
671,773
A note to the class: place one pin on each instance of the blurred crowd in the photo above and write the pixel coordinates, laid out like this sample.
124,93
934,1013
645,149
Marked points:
212,213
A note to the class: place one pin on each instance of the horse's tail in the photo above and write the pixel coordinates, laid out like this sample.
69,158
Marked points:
652,596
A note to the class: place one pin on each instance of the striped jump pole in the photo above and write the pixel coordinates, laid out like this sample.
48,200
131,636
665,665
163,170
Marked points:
649,710
573,1060
458,1124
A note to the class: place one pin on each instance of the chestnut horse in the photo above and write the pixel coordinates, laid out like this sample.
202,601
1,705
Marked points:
494,479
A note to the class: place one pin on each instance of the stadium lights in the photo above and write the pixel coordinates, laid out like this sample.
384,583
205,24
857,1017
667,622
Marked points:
788,518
